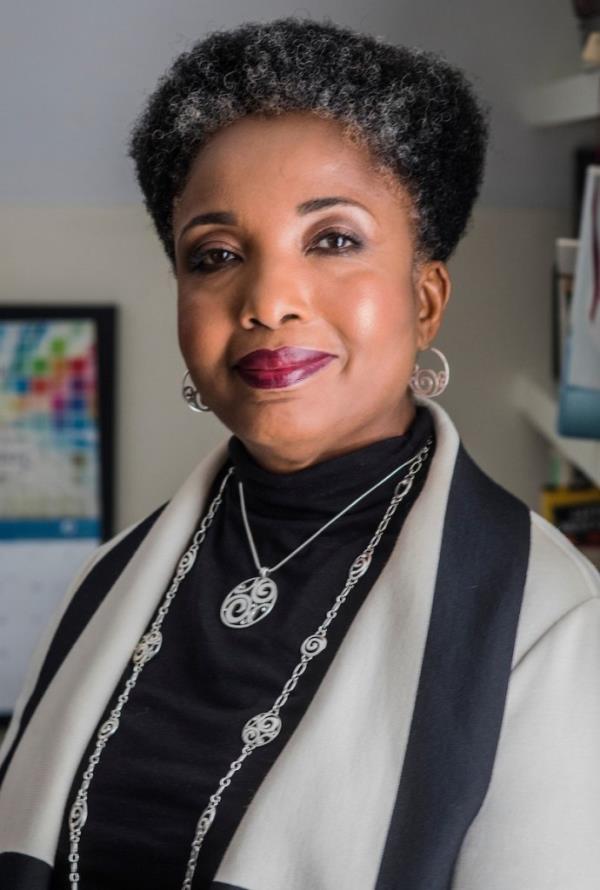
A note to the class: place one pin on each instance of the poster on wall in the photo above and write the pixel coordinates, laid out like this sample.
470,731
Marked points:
56,466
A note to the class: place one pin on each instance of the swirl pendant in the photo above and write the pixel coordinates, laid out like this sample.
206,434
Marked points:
253,599
250,601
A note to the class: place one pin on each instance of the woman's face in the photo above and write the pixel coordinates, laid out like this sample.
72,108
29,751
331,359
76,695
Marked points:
323,292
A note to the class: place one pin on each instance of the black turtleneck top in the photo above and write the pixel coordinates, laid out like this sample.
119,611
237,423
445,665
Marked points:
181,728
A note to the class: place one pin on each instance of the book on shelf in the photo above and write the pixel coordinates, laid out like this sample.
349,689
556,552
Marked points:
563,273
579,389
584,157
576,513
572,503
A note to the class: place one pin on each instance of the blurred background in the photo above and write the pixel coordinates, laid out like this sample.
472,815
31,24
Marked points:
73,232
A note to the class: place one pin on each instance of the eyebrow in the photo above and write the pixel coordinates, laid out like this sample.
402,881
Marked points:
226,218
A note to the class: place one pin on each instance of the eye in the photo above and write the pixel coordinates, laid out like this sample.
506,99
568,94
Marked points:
337,235
206,261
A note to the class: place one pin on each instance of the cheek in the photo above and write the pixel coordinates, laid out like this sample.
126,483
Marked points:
380,316
201,333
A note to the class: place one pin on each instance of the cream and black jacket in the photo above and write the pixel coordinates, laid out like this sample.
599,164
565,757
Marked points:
453,743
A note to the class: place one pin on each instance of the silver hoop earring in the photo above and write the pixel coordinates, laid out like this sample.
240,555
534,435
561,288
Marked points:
190,394
429,383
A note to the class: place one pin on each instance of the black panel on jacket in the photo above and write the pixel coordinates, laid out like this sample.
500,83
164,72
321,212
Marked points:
464,678
21,872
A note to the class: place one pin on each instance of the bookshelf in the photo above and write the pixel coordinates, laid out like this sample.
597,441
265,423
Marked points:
566,100
539,406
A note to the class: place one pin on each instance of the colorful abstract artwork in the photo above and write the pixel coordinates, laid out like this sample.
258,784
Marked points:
49,435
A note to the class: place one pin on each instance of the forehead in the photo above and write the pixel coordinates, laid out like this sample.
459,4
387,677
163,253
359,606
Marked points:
283,159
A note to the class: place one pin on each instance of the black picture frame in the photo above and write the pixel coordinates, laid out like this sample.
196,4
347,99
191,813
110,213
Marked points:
104,317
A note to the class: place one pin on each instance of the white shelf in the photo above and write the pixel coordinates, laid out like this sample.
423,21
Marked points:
564,101
540,408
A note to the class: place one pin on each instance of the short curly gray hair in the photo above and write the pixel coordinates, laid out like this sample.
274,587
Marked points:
417,114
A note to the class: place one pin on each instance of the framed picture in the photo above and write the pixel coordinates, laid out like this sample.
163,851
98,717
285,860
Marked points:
57,366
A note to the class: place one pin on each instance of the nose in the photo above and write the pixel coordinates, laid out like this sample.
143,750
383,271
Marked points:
273,295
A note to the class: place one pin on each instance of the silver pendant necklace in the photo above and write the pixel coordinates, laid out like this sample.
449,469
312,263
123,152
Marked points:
260,729
254,598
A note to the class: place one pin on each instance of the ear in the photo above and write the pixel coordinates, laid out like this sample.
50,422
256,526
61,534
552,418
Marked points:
433,288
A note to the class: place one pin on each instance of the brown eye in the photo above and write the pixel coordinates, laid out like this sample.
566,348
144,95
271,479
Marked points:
206,261
335,236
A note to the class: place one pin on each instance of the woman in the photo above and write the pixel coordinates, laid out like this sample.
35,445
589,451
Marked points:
340,655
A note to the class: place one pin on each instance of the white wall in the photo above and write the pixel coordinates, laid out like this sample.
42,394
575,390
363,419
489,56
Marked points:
72,229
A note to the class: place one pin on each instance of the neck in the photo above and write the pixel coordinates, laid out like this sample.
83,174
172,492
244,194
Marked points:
294,455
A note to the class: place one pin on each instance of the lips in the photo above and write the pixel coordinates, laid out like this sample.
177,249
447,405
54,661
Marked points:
275,368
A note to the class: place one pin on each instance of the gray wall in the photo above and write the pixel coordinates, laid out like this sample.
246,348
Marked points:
73,76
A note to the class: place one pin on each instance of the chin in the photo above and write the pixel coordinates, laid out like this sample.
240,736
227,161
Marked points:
283,424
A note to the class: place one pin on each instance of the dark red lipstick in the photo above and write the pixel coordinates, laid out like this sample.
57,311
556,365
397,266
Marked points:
275,368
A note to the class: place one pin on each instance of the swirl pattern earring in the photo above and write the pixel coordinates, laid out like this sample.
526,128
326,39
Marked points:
190,394
429,383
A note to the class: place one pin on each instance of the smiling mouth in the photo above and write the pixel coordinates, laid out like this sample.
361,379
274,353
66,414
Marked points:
282,377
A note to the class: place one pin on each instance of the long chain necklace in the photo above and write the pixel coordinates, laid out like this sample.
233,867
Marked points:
258,730
254,598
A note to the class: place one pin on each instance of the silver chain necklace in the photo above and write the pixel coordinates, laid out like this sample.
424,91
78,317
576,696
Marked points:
258,730
254,598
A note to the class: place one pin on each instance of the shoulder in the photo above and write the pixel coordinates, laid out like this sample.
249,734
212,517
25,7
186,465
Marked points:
101,570
558,578
561,585
79,603
96,575
113,553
